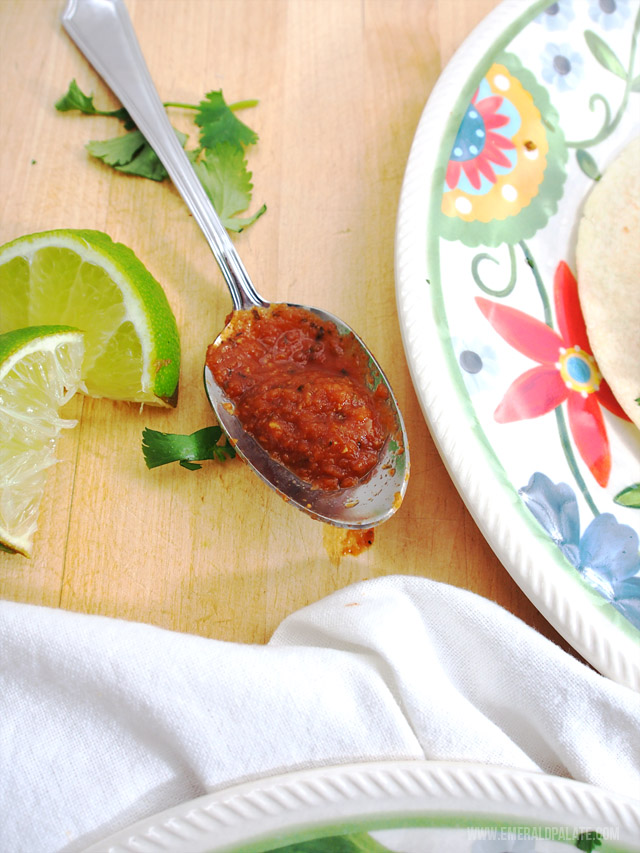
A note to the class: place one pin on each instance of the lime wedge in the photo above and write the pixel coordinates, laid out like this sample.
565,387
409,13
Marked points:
85,280
40,370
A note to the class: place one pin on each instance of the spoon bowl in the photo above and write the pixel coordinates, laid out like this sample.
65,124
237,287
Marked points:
362,506
104,33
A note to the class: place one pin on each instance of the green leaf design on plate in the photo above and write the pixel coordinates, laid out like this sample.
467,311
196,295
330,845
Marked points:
588,164
588,841
357,843
604,54
629,497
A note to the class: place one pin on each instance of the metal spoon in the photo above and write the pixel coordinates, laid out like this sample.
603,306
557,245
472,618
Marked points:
104,33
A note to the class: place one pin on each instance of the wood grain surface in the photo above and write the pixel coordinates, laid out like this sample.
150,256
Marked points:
341,85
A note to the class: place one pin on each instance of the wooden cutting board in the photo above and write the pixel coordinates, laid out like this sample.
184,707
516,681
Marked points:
341,85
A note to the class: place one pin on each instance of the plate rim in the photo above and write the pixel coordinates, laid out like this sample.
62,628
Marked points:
606,639
254,814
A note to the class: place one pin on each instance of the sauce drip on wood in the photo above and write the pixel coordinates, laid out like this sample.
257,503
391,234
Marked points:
340,543
303,391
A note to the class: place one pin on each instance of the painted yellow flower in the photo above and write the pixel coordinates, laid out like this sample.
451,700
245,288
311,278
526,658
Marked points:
505,171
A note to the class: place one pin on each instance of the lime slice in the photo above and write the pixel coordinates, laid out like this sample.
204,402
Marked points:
40,370
85,280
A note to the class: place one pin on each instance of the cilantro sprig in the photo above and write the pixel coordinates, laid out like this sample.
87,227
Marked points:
219,159
162,448
75,99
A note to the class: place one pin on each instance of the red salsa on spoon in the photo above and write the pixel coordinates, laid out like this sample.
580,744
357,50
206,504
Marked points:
304,391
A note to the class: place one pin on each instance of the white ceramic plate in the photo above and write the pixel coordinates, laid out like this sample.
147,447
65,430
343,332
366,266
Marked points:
412,807
527,115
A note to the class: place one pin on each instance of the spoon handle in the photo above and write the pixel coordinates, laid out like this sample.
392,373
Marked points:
103,31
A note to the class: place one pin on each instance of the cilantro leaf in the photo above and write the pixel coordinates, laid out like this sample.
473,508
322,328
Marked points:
224,175
161,448
75,99
218,125
131,154
117,151
219,161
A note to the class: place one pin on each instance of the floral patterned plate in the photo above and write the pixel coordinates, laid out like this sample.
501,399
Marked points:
393,807
524,119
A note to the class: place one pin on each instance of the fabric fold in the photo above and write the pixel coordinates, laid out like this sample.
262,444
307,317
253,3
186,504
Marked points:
104,722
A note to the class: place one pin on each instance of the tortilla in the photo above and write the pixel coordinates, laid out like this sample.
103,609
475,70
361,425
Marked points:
608,264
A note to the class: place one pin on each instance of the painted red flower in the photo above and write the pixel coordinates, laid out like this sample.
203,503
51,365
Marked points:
478,147
566,370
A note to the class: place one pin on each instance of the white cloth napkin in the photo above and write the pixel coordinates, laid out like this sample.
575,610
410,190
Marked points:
104,722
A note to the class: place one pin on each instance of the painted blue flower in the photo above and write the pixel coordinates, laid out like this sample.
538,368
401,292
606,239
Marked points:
561,66
606,555
477,361
628,600
557,16
609,14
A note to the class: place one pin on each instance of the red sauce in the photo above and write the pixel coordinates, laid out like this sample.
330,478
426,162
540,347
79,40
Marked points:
301,389
356,541
341,543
